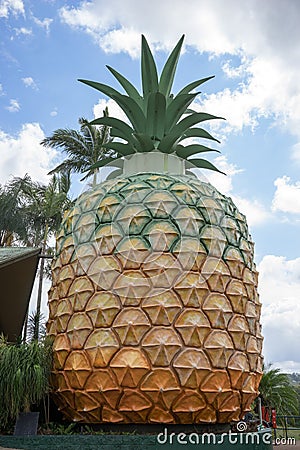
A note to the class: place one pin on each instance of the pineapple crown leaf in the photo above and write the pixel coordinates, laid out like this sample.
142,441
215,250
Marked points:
148,70
159,120
168,72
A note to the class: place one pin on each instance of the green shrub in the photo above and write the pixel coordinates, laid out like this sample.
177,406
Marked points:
24,376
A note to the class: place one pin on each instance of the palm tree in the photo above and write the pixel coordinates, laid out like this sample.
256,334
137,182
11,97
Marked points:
13,212
30,214
277,391
83,148
45,209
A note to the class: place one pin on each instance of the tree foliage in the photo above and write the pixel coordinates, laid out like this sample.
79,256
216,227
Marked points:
277,391
29,209
83,148
24,376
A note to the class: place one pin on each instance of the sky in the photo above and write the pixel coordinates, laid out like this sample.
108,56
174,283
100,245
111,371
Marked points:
252,48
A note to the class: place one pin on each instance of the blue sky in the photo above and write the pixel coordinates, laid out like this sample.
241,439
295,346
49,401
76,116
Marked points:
251,47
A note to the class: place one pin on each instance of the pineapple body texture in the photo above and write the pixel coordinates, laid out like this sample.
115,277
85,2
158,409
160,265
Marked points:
154,308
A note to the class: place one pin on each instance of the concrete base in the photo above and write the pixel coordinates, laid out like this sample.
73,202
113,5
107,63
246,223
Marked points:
153,162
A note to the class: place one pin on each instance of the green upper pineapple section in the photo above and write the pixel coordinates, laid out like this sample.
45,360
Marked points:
156,117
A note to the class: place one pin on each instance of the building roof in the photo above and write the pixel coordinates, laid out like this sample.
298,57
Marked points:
9,255
18,266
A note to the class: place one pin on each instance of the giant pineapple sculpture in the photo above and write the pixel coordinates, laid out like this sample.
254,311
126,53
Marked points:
154,308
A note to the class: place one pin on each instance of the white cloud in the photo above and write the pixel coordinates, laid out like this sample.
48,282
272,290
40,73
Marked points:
222,182
287,366
45,23
23,31
254,210
29,82
14,106
54,112
279,287
122,40
296,152
264,35
23,154
8,7
113,109
1,90
235,72
287,196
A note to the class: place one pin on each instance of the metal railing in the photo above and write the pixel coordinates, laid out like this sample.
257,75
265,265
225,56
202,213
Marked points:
288,423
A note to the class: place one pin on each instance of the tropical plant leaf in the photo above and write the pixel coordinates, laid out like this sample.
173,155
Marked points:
117,133
189,110
168,72
144,142
188,88
197,132
202,164
156,114
104,162
148,70
177,108
121,148
117,124
104,88
132,111
191,120
167,143
156,117
189,150
24,376
119,163
277,391
128,87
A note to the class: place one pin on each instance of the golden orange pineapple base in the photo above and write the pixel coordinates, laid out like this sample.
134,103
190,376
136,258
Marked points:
154,308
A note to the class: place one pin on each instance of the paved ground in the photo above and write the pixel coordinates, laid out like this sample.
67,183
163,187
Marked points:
4,448
288,447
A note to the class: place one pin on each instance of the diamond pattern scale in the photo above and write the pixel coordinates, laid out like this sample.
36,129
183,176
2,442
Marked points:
154,308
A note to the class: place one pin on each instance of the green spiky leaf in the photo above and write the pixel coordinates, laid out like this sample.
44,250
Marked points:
128,87
132,111
144,142
189,150
156,115
104,88
168,72
193,85
104,162
148,69
199,133
177,108
167,143
202,164
124,130
119,147
189,111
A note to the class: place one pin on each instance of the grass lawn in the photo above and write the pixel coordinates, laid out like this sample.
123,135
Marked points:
290,432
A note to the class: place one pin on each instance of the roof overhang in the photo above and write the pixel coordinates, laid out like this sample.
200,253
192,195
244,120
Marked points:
18,268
